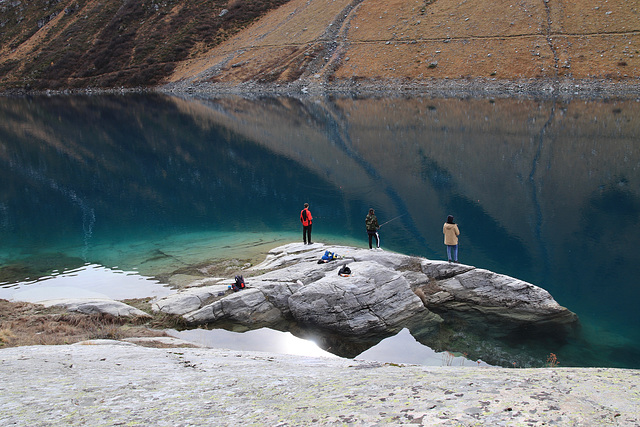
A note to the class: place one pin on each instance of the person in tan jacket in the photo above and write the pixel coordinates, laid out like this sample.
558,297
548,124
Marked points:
451,233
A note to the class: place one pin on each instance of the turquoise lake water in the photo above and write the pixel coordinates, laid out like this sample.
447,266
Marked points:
103,195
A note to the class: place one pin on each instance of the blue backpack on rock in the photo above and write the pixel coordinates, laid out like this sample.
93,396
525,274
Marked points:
328,256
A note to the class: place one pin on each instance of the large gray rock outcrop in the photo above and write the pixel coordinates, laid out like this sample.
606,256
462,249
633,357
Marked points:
437,301
294,286
374,299
455,287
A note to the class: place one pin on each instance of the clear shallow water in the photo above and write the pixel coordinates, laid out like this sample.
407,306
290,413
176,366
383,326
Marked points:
271,341
544,191
89,281
143,260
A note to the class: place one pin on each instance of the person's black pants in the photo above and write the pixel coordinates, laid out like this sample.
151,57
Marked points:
306,234
373,234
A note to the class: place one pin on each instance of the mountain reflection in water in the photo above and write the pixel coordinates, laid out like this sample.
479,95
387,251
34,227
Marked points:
546,191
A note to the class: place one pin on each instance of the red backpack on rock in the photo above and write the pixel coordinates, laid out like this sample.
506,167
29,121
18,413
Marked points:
239,285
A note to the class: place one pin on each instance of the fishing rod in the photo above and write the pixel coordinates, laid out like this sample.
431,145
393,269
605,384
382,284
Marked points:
392,219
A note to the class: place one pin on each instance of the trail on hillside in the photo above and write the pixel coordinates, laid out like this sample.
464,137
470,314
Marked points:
361,40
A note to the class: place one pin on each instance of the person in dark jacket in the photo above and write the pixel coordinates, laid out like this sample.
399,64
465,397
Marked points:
372,228
306,219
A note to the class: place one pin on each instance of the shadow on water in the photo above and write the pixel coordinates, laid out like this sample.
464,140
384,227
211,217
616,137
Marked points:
548,192
608,225
482,227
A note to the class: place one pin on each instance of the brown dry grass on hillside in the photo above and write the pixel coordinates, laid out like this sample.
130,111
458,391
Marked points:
327,40
70,43
23,323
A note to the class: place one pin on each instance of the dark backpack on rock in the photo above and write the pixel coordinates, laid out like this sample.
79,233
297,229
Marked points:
239,285
344,271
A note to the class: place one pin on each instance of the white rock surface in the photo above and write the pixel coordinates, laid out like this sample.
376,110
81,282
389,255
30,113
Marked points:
188,300
107,385
159,341
96,305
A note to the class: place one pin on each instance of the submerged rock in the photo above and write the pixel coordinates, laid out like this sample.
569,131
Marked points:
444,305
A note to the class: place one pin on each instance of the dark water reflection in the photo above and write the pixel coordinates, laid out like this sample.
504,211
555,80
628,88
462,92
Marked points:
546,191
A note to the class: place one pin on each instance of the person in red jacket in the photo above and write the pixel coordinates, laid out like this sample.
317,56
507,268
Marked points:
306,220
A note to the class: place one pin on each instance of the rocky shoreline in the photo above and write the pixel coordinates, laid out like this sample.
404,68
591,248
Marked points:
533,88
444,306
106,383
436,88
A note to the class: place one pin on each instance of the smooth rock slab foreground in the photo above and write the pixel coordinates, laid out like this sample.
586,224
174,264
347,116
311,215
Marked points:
111,384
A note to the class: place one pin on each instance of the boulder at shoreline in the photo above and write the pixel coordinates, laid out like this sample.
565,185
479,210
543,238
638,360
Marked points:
96,305
384,293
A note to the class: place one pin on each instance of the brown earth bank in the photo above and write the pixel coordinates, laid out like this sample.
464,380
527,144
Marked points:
480,47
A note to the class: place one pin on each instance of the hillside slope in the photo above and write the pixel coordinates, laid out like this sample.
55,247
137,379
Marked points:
58,44
323,41
51,44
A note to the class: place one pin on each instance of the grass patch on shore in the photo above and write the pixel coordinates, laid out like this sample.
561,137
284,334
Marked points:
23,323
